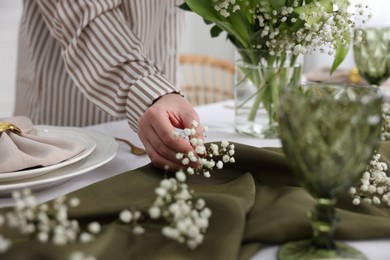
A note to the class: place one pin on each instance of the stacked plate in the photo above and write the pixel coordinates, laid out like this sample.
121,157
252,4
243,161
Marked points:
99,149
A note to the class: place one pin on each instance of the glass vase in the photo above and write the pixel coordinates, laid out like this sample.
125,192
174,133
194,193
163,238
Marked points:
259,80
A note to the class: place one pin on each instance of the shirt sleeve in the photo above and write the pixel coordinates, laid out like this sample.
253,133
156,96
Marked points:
104,57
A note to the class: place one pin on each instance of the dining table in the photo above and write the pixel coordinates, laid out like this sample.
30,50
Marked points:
219,118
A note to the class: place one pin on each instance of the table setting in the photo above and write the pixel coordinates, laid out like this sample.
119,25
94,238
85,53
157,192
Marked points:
289,169
42,156
265,203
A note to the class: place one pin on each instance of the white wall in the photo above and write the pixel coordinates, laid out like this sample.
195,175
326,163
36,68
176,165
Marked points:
9,18
197,39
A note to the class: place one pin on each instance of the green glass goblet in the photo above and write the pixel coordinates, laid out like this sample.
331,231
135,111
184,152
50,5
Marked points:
328,133
372,54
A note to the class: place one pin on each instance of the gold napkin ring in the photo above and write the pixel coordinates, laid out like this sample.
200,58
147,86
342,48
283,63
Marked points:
6,126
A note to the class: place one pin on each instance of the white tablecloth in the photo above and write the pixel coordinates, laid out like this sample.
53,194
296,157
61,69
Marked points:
219,118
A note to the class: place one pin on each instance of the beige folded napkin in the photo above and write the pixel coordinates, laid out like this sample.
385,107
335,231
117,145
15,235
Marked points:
26,150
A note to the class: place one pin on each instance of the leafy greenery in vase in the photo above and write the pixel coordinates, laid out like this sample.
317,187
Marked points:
274,27
271,34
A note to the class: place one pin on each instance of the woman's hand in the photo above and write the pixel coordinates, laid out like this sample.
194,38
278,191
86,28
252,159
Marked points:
156,127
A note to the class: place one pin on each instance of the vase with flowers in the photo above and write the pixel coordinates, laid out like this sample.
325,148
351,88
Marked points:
270,36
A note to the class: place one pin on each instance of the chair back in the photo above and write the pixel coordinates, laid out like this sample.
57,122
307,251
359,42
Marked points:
204,79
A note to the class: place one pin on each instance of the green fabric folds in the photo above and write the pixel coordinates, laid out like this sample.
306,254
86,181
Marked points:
255,201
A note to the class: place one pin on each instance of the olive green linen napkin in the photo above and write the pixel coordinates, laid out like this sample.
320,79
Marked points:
254,202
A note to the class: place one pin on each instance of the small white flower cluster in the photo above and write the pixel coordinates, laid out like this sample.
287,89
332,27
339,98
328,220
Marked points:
132,217
374,184
188,217
5,243
78,255
204,156
48,222
299,27
385,130
225,7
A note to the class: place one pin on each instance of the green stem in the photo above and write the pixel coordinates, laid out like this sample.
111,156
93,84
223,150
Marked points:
270,75
256,104
324,223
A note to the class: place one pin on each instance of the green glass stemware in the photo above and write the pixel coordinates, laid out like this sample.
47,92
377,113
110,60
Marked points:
372,54
329,133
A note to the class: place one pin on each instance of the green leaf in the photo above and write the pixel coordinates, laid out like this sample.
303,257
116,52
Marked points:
215,31
341,4
308,9
207,22
278,4
341,52
185,7
236,24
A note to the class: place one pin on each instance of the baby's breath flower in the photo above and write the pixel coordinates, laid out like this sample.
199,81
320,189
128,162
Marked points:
385,131
187,217
179,156
86,237
299,27
78,255
154,212
201,154
185,161
74,202
186,225
125,216
5,244
94,227
200,203
219,164
138,230
180,176
43,237
47,222
374,184
190,171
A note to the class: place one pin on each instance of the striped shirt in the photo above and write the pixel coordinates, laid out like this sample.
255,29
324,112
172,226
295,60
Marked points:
83,62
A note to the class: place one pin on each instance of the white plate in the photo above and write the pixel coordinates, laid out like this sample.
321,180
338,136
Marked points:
105,151
66,132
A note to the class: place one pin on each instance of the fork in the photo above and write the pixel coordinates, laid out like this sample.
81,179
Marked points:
133,148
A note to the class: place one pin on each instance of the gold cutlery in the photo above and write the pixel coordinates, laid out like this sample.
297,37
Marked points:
5,126
133,148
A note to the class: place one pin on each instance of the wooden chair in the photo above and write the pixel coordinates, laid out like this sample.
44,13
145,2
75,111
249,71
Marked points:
204,79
